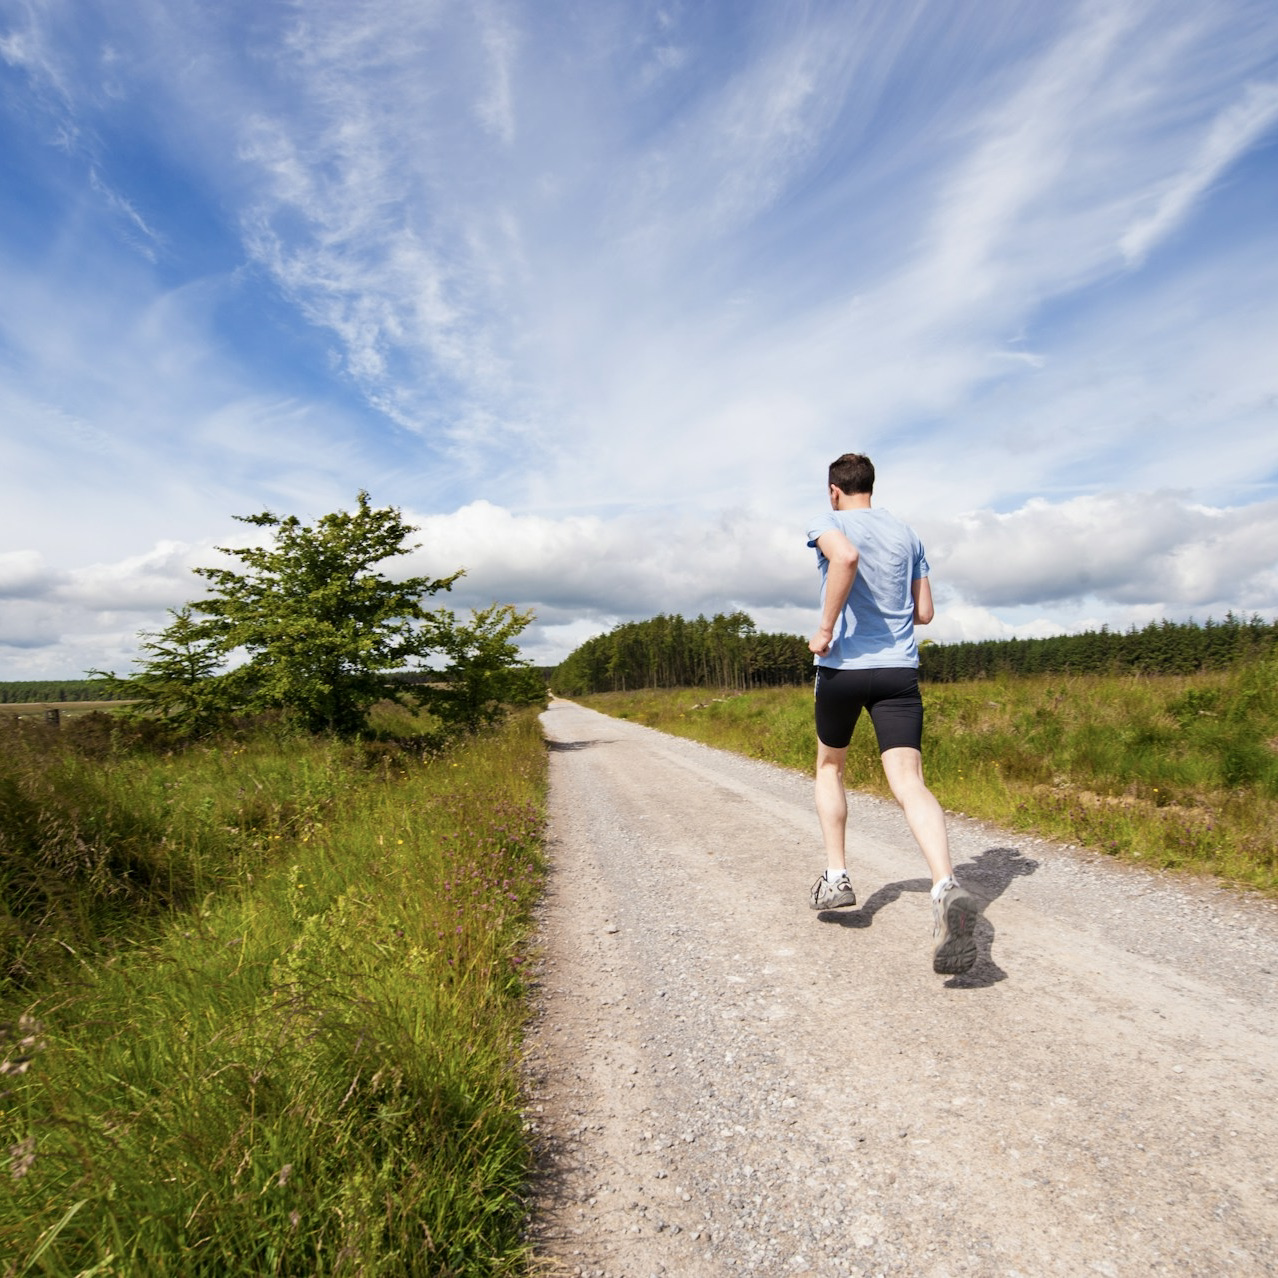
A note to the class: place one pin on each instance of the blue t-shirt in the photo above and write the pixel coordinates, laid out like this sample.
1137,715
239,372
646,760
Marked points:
876,627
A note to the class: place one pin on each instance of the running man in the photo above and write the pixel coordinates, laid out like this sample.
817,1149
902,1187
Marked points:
874,591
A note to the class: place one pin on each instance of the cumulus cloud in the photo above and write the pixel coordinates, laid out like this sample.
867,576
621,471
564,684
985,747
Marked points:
1122,548
24,575
629,566
1120,551
1114,558
26,625
160,578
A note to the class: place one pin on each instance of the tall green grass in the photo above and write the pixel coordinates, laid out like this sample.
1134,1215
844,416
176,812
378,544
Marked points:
100,831
1174,772
300,1060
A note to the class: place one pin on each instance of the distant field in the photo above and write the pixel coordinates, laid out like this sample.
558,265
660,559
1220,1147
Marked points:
20,708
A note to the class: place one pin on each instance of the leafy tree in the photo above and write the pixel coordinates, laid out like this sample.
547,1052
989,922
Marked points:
484,670
322,628
320,632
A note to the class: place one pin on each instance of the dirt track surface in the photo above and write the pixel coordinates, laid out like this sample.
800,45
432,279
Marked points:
725,1082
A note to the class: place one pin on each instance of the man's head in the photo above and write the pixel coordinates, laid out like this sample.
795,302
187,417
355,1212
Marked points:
852,473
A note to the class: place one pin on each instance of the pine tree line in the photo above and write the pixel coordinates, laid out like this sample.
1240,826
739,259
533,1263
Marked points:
13,692
724,651
1160,648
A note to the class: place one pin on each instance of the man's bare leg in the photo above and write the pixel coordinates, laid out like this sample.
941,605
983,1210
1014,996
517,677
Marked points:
832,804
954,909
903,766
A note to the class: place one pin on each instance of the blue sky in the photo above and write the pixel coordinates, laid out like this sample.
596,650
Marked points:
596,292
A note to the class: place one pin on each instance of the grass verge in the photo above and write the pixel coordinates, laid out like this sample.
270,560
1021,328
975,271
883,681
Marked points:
1173,772
305,1062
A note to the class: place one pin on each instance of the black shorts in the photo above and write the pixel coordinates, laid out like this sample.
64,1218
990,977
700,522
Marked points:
889,693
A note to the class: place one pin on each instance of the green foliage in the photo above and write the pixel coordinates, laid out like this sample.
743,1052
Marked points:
727,652
670,652
99,833
323,635
311,1068
484,671
178,678
322,627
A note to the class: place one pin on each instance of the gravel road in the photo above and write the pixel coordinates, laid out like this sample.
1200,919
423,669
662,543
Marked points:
724,1082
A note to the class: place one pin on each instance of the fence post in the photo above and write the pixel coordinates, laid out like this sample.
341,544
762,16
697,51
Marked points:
53,717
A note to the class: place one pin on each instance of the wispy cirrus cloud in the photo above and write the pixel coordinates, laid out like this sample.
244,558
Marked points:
585,285
1233,132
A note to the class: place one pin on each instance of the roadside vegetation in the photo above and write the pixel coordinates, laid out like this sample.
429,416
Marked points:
262,930
261,998
1174,772
306,622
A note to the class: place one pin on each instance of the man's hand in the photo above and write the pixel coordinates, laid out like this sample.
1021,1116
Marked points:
821,640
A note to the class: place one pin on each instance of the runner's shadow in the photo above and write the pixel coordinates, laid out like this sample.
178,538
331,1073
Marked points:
988,876
864,917
577,745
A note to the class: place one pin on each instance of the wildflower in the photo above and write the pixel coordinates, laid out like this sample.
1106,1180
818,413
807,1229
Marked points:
22,1157
285,1172
28,1031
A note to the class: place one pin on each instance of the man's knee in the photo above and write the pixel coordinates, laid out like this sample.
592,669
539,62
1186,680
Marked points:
903,767
830,760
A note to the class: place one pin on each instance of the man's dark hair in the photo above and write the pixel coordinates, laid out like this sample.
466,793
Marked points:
853,473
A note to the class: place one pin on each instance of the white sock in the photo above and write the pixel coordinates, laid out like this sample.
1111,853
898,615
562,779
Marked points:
833,876
948,881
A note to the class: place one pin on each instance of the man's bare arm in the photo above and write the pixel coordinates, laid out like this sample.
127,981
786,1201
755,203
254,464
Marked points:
923,610
841,573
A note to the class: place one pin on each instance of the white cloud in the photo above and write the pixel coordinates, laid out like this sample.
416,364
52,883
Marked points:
501,45
27,626
158,579
1117,558
631,566
1121,548
134,221
24,574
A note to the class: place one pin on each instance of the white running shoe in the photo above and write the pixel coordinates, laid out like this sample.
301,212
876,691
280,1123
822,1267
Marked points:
830,896
953,921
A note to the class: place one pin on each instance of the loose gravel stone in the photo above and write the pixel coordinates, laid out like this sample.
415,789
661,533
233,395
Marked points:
722,1082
